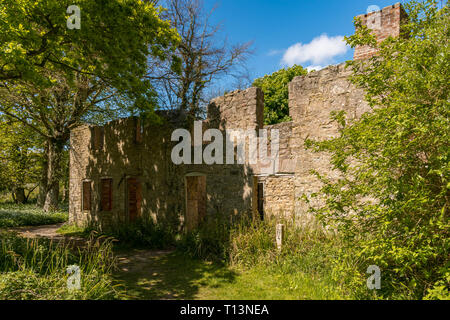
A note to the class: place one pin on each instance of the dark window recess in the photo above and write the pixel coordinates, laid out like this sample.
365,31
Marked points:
98,138
86,196
106,194
134,198
261,200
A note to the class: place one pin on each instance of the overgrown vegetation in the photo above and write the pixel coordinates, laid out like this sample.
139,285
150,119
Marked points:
248,246
391,202
276,93
142,233
37,269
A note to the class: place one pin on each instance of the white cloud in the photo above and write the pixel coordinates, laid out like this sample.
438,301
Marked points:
321,50
311,68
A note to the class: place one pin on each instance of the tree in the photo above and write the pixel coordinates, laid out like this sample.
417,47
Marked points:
55,77
203,58
276,93
392,201
20,160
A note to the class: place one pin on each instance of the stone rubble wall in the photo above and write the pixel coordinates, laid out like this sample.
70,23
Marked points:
119,155
230,188
312,98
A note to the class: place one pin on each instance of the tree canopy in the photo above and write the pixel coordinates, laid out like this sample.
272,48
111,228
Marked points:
276,93
52,78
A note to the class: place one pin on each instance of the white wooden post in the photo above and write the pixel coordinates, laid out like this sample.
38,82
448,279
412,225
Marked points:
280,236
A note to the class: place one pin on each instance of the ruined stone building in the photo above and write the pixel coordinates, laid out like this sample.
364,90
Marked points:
123,170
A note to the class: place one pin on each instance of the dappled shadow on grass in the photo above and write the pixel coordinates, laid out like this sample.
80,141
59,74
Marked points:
155,275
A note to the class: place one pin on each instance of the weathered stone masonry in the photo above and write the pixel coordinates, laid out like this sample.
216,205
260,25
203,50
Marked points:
123,170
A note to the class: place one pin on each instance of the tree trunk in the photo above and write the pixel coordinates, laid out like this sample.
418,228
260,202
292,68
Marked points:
19,195
43,180
65,193
55,148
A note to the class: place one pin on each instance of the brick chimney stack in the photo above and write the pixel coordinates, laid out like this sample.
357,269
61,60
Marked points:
383,23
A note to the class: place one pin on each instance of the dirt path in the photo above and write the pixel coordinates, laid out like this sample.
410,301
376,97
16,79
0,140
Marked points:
48,232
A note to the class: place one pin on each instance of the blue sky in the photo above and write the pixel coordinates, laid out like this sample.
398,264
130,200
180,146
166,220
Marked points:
277,25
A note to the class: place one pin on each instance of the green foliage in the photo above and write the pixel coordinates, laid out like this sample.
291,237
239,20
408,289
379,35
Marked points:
276,93
209,242
53,79
36,269
69,230
114,43
391,202
306,248
15,215
108,57
143,232
20,159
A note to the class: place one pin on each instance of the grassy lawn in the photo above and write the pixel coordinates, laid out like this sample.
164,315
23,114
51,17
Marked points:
15,215
259,283
174,276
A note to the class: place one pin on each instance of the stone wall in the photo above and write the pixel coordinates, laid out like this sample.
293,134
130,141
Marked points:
240,109
121,150
312,98
79,160
127,148
279,196
286,157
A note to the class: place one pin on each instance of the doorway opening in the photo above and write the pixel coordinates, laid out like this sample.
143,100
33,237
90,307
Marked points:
260,197
134,199
195,201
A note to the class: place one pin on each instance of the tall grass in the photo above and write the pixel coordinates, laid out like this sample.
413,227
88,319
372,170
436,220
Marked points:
211,241
143,232
37,269
303,265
